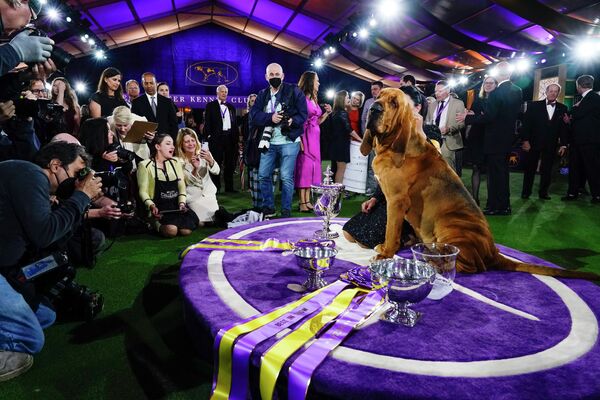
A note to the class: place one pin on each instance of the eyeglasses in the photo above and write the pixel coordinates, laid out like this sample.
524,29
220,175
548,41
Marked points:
489,83
38,90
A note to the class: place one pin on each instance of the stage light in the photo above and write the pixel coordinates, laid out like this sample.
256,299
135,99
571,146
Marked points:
53,14
494,72
372,22
452,82
543,61
318,63
331,49
83,39
69,19
586,50
99,54
42,2
389,9
91,42
363,33
86,36
330,94
80,87
326,52
354,34
522,65
463,80
596,20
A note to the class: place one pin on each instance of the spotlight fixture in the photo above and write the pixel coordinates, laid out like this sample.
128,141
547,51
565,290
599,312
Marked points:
91,42
330,94
80,87
363,33
69,19
326,52
318,63
388,9
543,61
354,34
83,39
522,65
586,50
99,54
331,49
463,80
452,82
372,22
53,14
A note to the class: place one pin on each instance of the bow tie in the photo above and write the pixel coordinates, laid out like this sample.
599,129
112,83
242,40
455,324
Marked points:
551,103
223,103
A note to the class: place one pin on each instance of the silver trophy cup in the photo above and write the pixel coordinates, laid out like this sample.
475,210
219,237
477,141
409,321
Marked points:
406,282
315,260
327,203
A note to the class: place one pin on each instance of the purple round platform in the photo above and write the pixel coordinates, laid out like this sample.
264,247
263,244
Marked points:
542,346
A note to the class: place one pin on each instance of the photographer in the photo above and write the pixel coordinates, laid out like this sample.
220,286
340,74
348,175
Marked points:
28,226
281,111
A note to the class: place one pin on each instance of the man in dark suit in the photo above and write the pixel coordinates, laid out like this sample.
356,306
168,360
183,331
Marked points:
543,125
584,144
220,128
155,108
500,118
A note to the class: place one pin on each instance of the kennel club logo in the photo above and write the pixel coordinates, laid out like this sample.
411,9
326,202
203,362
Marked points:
545,324
211,73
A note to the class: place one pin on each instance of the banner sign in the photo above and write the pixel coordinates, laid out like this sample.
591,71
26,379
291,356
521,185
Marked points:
355,177
201,100
211,73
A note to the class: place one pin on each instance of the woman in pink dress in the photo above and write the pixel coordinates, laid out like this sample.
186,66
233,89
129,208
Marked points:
308,163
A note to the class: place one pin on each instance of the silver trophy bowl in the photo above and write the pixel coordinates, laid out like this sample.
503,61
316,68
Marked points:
315,260
406,282
327,203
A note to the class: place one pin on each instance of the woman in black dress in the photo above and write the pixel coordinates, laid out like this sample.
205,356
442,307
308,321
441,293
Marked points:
341,133
109,95
475,134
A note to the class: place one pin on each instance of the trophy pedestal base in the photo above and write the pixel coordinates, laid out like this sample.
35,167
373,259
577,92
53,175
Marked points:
314,281
402,316
323,234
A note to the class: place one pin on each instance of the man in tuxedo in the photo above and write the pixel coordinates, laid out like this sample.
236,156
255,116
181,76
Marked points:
543,126
584,144
442,113
500,118
155,108
221,130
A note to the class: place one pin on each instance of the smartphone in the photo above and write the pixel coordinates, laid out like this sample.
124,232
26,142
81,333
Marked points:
205,146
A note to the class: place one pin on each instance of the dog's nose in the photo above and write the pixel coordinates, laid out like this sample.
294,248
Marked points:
374,112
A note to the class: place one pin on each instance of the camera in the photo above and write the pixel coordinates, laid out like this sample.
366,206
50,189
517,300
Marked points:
44,109
12,84
285,116
123,153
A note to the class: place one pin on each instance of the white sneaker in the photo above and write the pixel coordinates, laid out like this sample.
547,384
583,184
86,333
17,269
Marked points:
13,364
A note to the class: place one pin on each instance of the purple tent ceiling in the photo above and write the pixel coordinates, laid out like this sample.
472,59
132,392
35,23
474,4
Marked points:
301,26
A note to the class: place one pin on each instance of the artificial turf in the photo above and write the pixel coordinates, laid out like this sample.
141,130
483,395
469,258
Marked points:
138,347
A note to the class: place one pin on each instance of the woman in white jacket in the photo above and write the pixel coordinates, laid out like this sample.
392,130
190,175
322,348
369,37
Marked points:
197,163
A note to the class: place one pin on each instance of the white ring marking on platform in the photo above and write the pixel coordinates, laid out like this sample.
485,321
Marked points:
579,341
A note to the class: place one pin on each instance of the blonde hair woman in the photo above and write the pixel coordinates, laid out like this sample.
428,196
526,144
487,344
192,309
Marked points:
198,163
120,123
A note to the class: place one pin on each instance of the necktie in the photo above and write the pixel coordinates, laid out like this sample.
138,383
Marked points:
153,105
551,104
438,116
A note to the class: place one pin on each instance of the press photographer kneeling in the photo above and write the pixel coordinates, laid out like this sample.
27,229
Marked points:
30,231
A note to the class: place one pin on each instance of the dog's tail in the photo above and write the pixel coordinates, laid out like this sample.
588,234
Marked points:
504,264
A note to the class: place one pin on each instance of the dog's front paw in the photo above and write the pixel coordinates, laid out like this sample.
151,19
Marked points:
382,253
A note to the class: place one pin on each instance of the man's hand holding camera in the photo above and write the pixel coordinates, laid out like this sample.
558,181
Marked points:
90,185
7,110
32,49
110,156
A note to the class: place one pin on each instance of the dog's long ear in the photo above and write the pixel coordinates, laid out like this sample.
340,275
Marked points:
367,143
403,121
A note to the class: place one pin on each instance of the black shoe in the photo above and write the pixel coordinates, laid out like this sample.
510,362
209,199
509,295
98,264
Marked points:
506,211
544,197
286,213
268,212
569,197
596,200
525,196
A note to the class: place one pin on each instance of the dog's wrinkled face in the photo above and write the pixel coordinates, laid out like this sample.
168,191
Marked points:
391,118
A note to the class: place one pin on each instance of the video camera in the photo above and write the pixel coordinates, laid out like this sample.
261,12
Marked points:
115,184
12,84
54,277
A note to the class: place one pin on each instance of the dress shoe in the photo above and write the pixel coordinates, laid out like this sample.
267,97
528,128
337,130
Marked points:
596,200
506,211
569,197
544,197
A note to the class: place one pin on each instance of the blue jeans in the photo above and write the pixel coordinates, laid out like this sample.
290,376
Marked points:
283,155
21,327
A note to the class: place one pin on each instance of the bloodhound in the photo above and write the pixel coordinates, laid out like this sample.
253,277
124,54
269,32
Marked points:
420,186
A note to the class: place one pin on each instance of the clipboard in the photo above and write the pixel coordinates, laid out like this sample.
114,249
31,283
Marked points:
138,130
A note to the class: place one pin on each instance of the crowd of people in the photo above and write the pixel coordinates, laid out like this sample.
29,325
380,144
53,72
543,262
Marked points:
70,175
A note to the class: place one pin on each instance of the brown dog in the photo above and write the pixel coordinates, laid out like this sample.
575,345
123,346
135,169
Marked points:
420,187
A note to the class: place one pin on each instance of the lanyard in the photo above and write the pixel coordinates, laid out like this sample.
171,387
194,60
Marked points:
223,112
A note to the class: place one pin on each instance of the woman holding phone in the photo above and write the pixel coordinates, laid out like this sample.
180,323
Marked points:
198,163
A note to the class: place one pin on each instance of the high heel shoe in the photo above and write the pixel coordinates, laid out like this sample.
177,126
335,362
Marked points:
307,210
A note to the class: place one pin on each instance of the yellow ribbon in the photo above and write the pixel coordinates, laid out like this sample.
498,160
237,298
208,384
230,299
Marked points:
236,244
272,361
223,386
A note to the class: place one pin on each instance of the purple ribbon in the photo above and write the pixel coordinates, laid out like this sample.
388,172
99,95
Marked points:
302,369
243,348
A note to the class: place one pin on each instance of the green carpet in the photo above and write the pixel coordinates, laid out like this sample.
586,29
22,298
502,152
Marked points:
138,348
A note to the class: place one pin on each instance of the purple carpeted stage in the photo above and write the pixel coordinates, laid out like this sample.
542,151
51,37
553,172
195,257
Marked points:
497,335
